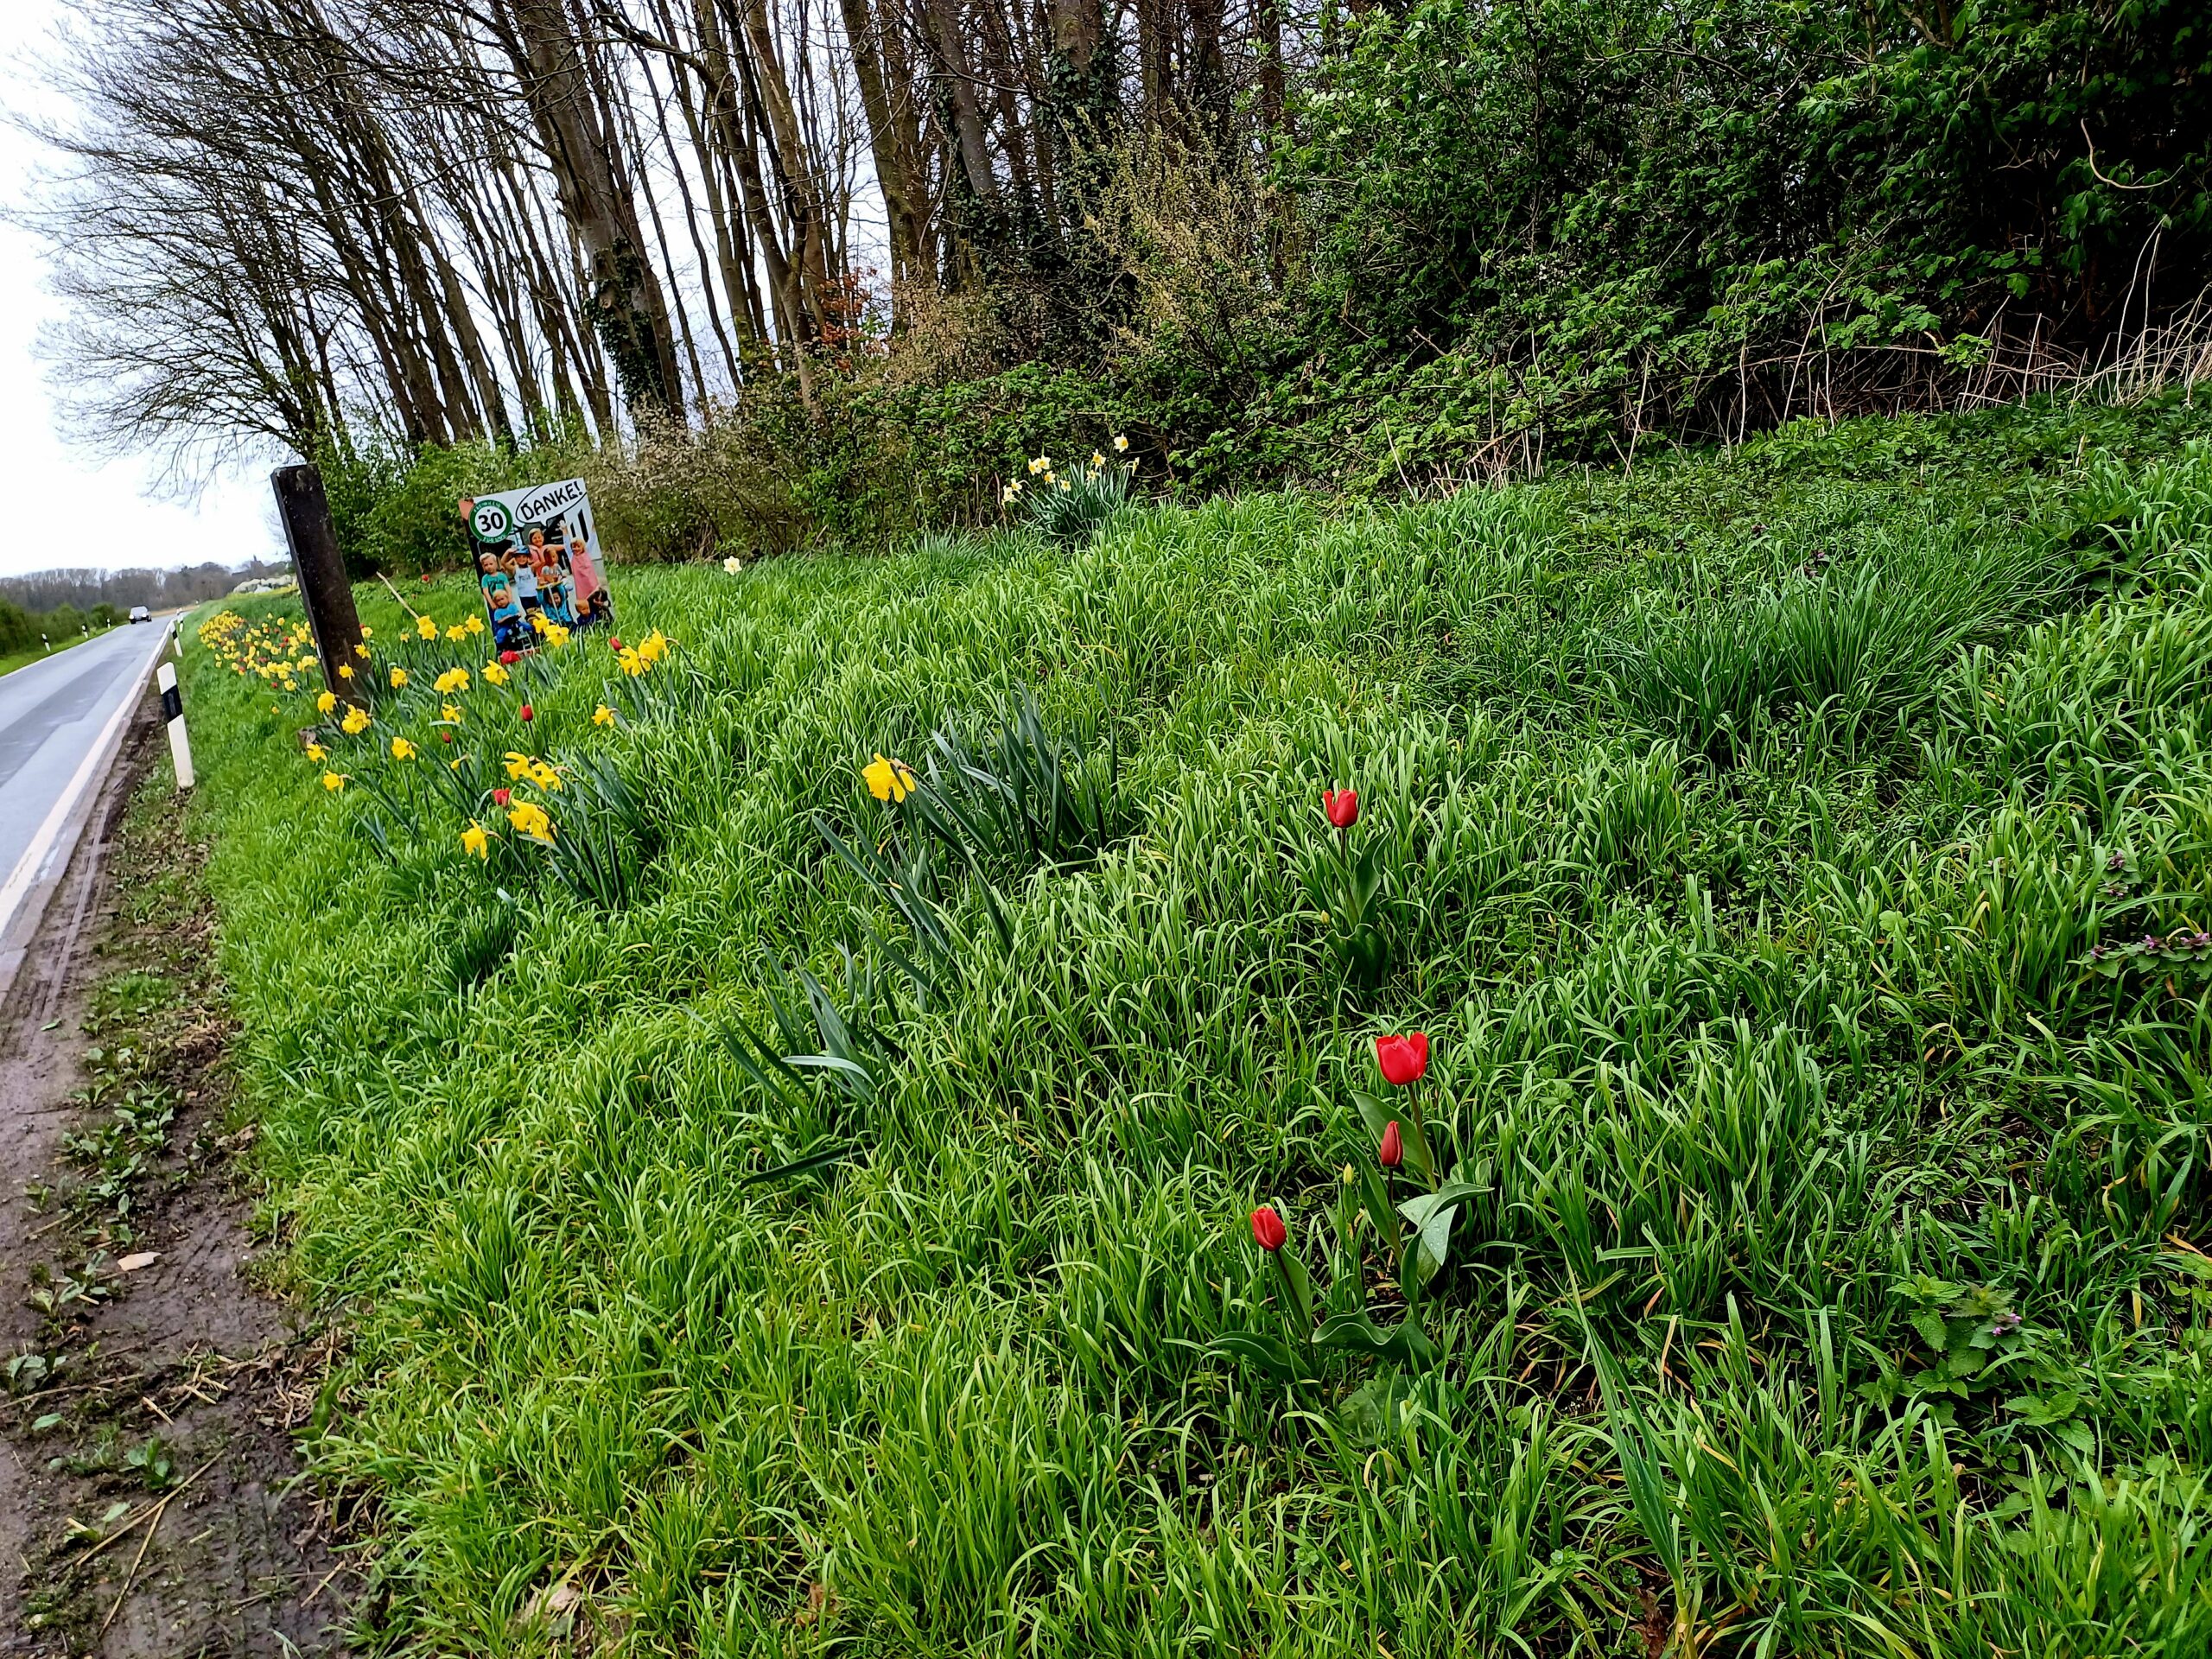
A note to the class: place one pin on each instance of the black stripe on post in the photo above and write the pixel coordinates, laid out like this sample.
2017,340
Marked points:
173,704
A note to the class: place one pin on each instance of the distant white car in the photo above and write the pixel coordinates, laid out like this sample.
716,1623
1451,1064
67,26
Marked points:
140,613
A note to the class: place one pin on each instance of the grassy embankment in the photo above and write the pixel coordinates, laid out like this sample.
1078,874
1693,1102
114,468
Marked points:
1744,830
10,661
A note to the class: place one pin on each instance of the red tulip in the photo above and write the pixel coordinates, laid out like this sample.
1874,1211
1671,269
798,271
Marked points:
614,642
1402,1058
1341,807
1394,1148
499,796
528,713
509,658
448,736
426,578
1267,1230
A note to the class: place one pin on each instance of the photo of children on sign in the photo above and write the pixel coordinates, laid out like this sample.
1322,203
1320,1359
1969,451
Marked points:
537,557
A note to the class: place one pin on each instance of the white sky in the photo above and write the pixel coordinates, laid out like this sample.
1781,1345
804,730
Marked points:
67,507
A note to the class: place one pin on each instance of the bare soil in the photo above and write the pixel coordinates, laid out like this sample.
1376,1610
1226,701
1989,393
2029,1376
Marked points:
152,1496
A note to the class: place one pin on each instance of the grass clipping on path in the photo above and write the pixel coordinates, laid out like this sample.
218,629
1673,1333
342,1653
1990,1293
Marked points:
1768,846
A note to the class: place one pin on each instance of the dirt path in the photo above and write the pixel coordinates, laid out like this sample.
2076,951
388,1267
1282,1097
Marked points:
151,1499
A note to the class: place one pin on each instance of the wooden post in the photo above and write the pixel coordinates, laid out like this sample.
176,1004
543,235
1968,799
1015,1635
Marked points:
327,596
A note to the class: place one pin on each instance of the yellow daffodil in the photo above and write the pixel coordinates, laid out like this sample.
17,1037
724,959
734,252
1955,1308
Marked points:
475,840
602,715
325,701
344,671
888,781
1121,443
361,651
529,819
453,680
426,626
1040,464
399,679
555,635
334,781
315,752
450,713
653,646
1007,494
454,765
402,749
367,632
732,564
632,664
1096,461
290,684
356,722
518,765
474,624
1064,484
537,621
494,675
456,635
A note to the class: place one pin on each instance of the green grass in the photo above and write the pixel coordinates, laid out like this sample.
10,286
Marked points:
9,662
1744,831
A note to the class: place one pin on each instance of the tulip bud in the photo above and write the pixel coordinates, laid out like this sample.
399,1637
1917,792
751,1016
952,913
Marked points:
1402,1058
499,796
1393,1152
1340,807
614,642
509,658
1267,1230
527,712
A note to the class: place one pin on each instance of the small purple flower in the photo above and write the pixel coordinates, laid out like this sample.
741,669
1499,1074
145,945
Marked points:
2117,861
2096,953
2005,1323
2151,942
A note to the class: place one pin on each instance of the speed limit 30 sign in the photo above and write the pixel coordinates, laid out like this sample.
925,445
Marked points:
491,521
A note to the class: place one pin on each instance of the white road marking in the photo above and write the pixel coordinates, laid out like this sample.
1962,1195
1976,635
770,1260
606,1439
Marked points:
30,865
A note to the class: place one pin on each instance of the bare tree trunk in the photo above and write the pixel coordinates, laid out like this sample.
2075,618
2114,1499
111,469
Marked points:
901,190
628,309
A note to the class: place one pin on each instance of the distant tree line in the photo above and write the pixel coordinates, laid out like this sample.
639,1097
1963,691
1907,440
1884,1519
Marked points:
843,260
86,589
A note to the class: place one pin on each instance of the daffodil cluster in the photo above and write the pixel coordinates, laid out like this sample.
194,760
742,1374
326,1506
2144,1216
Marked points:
277,650
1067,506
376,729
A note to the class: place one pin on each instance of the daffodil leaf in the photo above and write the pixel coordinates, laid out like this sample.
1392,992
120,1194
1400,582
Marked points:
830,1063
808,1164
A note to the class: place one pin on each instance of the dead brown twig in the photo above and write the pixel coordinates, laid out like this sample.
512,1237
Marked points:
131,1522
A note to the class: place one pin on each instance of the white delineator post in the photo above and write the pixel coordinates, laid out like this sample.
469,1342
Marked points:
172,712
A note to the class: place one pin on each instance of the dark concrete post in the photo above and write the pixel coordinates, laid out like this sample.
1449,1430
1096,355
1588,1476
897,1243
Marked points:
324,590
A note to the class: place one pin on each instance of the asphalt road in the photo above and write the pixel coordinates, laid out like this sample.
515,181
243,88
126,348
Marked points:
54,715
